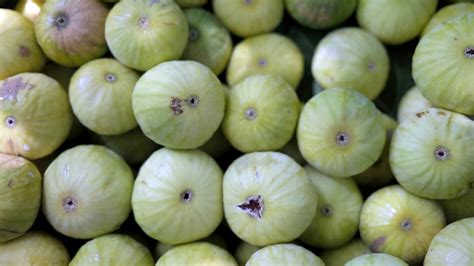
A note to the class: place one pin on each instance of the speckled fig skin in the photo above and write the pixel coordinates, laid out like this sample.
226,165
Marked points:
399,223
284,254
431,154
20,196
320,14
144,33
411,103
71,33
20,52
340,255
447,13
34,248
197,253
376,259
31,126
113,249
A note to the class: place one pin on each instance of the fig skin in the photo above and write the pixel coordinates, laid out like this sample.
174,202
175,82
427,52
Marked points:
20,53
196,253
376,259
71,33
284,254
446,13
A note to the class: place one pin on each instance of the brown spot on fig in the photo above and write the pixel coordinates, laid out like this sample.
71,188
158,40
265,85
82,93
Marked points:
10,183
262,62
24,51
371,67
253,206
11,86
420,114
377,244
441,113
176,106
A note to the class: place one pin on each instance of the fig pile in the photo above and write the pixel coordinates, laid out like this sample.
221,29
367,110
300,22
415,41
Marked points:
237,132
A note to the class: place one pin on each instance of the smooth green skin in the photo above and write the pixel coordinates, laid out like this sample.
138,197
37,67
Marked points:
380,174
351,58
243,252
100,93
190,3
413,154
411,103
459,208
270,53
20,52
284,254
340,255
447,85
289,199
133,146
382,219
276,107
163,85
395,22
162,38
340,110
100,182
161,248
452,246
40,127
320,14
249,18
337,214
447,13
198,253
34,248
20,196
157,196
209,41
376,259
81,40
113,249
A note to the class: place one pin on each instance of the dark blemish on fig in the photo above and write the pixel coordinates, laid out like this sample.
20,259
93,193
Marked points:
377,244
455,38
326,211
262,62
193,34
70,204
176,106
186,196
11,86
24,51
253,206
441,153
10,183
420,114
469,52
143,22
371,67
441,113
61,21
471,185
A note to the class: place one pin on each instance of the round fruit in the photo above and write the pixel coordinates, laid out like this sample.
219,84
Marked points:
71,33
141,34
34,248
198,253
187,187
190,3
113,249
161,248
340,132
351,58
243,252
447,85
340,255
133,146
459,208
337,215
179,104
268,198
284,254
100,93
452,246
20,196
261,114
320,14
411,103
249,17
35,115
270,53
209,41
446,13
30,8
395,21
401,224
376,259
87,191
20,52
431,154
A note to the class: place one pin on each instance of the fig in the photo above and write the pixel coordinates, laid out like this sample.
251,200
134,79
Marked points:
459,208
284,254
271,53
243,252
87,191
197,253
20,52
71,33
340,132
35,113
179,104
411,103
376,259
340,255
446,13
20,196
142,34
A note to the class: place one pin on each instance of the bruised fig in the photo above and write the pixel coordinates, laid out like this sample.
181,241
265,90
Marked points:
35,115
20,52
71,33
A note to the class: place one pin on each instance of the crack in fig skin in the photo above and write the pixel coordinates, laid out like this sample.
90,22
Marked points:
12,86
377,244
253,206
